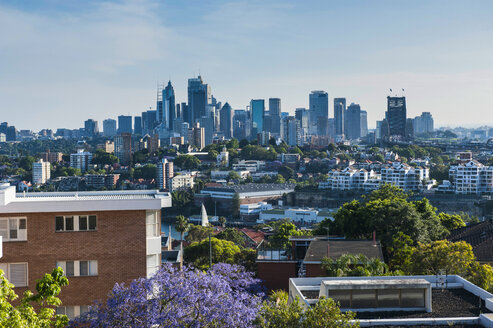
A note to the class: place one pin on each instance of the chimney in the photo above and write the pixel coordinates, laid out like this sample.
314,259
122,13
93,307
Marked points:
374,239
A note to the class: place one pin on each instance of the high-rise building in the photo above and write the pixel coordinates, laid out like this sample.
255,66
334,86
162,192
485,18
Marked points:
91,128
257,109
423,123
123,148
50,157
196,136
207,123
339,111
166,112
302,115
273,124
109,127
3,127
199,96
138,125
396,116
363,123
226,121
81,160
164,174
319,112
124,124
353,129
241,124
290,131
184,127
41,172
148,121
11,134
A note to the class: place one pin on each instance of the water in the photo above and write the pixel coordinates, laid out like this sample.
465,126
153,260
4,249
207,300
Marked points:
165,228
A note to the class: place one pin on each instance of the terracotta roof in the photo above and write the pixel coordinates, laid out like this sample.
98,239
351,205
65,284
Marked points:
256,236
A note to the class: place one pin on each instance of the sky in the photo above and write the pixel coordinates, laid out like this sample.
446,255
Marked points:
64,61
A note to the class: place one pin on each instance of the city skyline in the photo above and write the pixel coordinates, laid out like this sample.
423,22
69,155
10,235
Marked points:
81,59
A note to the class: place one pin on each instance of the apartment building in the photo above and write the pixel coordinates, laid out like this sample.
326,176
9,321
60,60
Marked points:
249,165
346,179
81,160
98,238
182,181
471,178
404,176
41,172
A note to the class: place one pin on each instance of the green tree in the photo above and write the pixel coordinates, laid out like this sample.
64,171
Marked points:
223,251
197,233
181,225
233,175
212,155
146,172
277,311
279,179
232,234
222,221
46,298
102,158
439,172
286,172
451,221
187,162
351,265
26,163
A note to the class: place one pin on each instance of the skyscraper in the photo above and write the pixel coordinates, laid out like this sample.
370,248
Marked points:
123,148
396,116
109,127
353,129
91,128
207,124
319,112
138,125
199,96
169,108
363,123
148,121
226,121
41,172
124,124
423,123
339,111
274,125
290,132
164,174
241,125
257,109
302,115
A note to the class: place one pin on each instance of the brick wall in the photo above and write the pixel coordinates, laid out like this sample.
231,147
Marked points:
315,270
276,274
119,246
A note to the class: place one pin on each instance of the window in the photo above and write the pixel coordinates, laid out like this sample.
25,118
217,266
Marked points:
72,311
79,268
152,224
16,273
13,229
152,264
75,223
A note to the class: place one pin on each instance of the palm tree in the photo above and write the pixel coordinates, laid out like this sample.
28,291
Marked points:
222,220
182,226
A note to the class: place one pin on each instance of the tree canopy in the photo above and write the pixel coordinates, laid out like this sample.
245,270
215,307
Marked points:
187,162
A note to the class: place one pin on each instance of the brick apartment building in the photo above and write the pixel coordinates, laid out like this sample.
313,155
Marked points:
98,238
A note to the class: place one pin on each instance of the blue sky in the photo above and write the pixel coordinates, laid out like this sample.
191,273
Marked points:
63,61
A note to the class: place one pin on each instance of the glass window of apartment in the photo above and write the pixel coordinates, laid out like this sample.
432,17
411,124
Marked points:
13,229
69,269
152,224
15,273
75,223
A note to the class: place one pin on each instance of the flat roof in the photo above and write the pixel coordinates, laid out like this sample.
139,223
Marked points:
322,247
376,284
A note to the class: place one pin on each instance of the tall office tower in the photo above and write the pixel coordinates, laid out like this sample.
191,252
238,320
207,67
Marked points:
302,115
148,121
257,109
207,123
226,121
123,148
353,121
199,96
423,123
363,123
275,116
41,172
396,116
319,112
178,111
11,134
339,111
241,126
81,160
3,127
185,112
91,128
384,129
196,136
290,131
184,127
331,128
109,127
164,174
124,124
138,125
169,108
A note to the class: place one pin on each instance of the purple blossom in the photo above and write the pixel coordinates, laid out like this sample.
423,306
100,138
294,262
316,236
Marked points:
225,296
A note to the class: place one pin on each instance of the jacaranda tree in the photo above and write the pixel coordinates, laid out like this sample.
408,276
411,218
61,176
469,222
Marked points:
224,296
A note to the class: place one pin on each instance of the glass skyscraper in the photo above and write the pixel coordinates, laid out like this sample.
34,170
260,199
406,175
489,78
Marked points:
257,108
